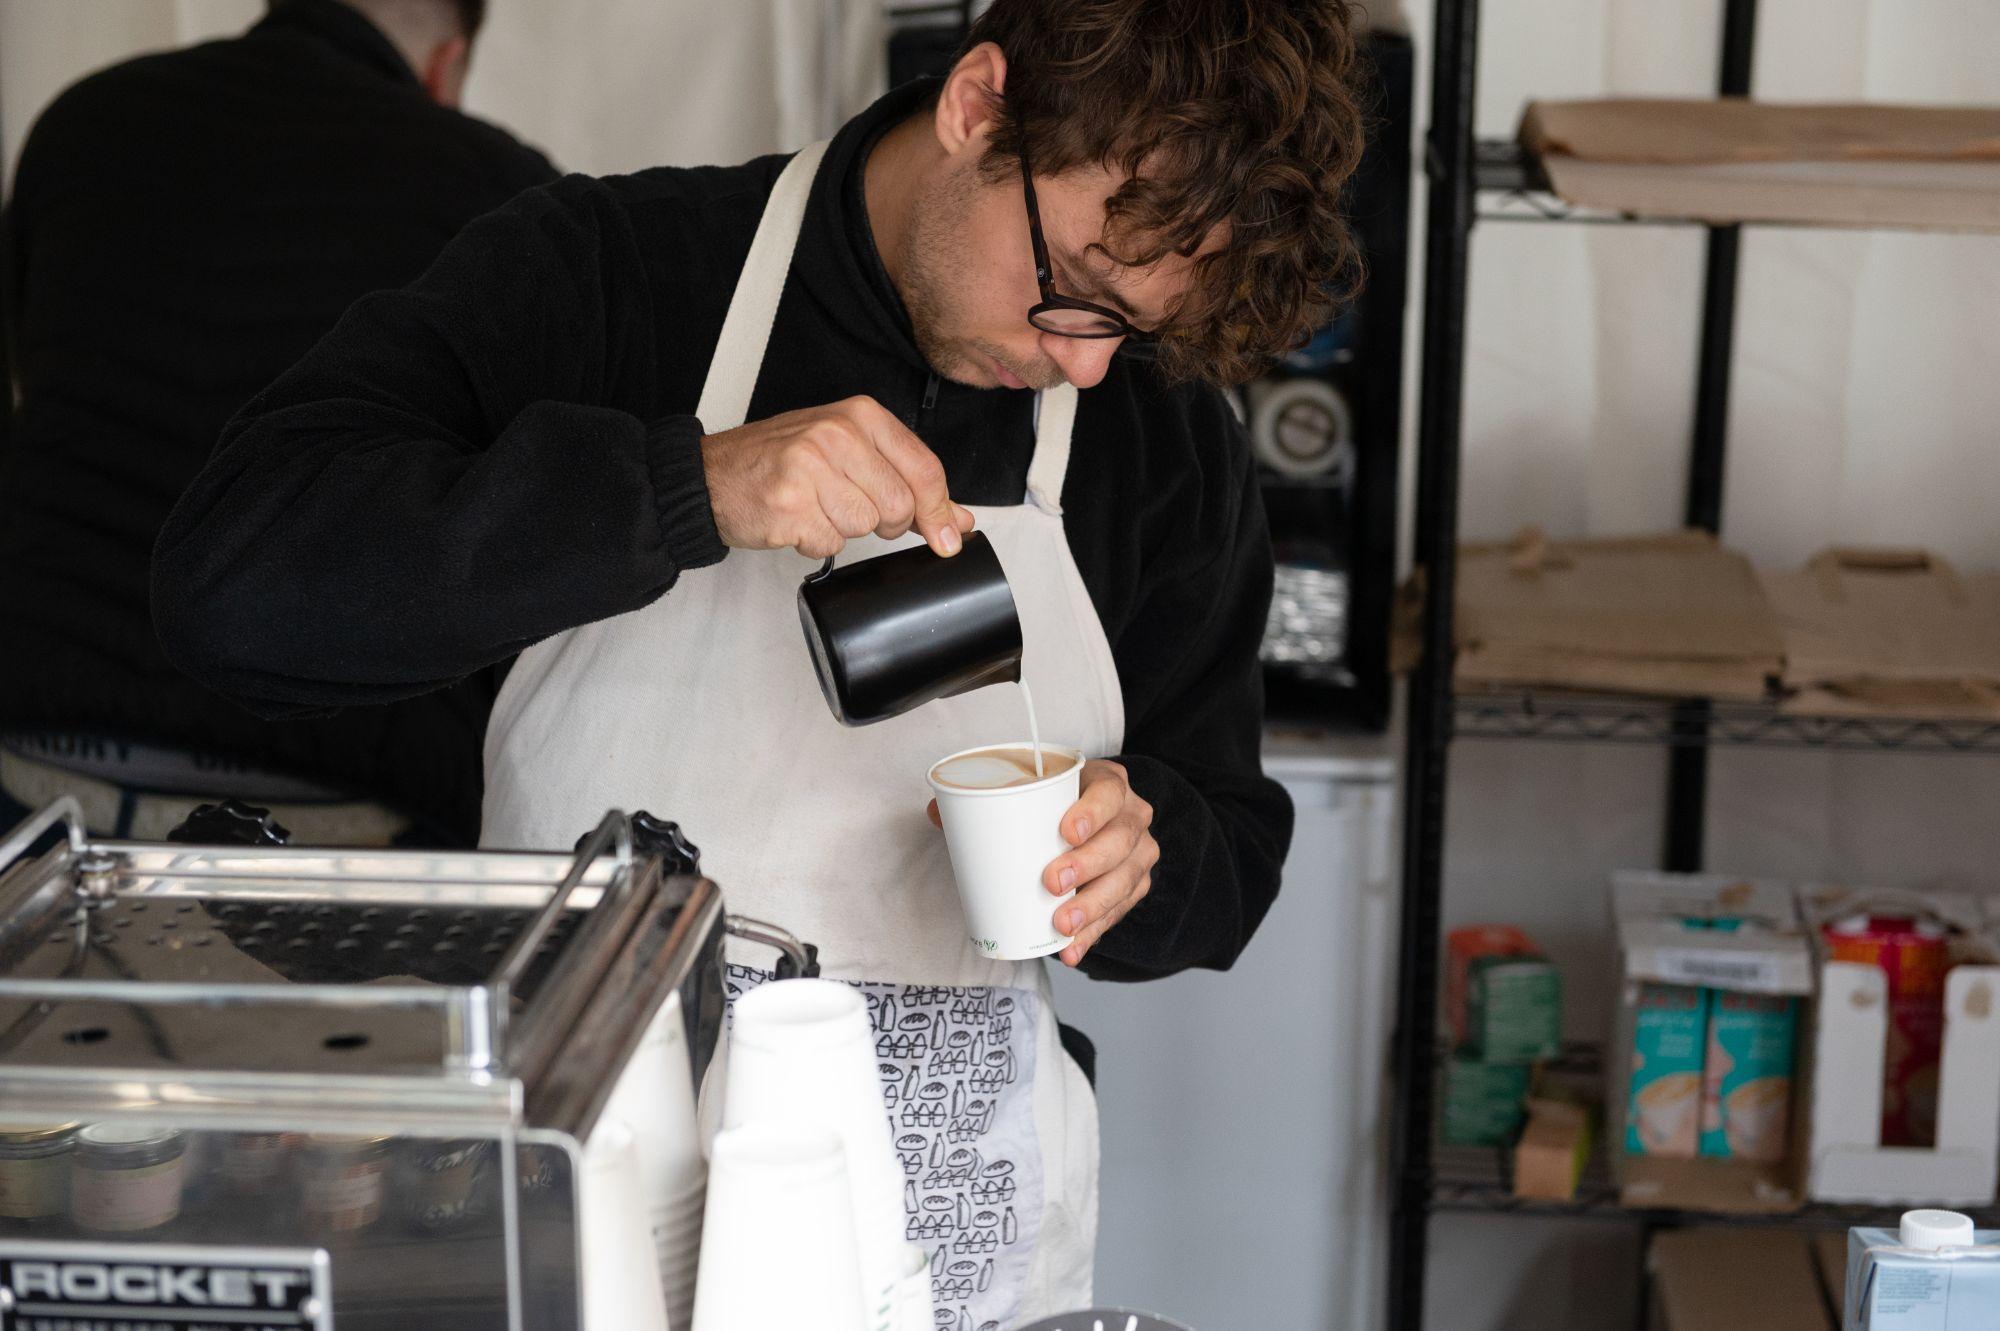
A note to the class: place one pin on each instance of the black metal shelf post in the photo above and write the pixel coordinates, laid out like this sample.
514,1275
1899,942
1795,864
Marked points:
1687,766
1447,238
1456,170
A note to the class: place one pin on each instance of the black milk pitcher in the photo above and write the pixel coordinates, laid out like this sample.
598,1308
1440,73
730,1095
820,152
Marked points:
900,630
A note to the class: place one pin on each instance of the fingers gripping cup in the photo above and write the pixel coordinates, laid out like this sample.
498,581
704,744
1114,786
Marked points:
1003,825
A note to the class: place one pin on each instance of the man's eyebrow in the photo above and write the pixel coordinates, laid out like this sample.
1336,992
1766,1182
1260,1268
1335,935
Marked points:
1093,287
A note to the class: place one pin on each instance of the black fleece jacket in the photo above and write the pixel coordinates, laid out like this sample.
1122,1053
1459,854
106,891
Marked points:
183,228
504,450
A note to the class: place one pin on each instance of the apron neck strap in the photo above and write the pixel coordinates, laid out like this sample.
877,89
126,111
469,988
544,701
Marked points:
746,329
1055,415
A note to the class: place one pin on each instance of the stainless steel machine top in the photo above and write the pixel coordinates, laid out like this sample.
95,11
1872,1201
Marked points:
283,1087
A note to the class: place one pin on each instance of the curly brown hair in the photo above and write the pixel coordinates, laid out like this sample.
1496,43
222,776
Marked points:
1242,114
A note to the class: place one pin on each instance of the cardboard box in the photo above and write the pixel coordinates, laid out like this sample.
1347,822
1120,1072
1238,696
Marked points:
1889,632
1549,1158
1703,931
1503,998
1830,1249
1735,160
1846,1159
1893,1288
1734,1279
1685,131
1673,615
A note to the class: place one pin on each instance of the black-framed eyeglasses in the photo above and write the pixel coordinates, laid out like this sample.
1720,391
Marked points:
1065,316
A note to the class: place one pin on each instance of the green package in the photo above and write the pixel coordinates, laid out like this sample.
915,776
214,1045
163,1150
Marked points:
1514,1009
1483,1101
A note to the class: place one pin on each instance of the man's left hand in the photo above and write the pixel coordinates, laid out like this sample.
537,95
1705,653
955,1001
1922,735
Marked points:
1111,865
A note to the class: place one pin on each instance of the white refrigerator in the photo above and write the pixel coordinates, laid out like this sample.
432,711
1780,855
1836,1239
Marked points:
1243,1120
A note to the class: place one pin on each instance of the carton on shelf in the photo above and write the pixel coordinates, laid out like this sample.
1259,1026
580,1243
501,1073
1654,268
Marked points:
1848,1161
1503,998
1934,1274
1913,955
1483,1102
1554,1147
1664,1088
1746,1103
1705,935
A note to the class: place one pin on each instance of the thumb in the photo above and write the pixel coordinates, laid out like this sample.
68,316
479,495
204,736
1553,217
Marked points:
932,813
939,522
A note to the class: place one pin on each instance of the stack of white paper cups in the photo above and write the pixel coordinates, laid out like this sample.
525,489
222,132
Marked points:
621,1290
802,1052
777,1245
906,1305
655,1099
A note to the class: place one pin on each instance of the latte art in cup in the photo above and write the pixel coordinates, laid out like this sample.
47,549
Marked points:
1003,827
997,769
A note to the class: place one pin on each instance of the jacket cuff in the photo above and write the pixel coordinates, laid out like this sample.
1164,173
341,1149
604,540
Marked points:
680,494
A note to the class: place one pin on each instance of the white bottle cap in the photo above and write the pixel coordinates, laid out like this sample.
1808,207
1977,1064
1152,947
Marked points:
1929,1230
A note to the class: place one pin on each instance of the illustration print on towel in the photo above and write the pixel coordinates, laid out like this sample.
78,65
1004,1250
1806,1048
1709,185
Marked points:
957,1067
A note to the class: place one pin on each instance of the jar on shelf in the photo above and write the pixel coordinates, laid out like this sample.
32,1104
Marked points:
34,1171
127,1177
343,1179
249,1162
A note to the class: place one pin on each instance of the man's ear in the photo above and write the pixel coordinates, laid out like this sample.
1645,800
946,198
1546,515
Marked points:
443,74
971,97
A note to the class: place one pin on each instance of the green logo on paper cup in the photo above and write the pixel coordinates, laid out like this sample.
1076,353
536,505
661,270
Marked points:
987,944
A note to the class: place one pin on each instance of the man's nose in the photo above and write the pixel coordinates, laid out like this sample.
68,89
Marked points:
1083,360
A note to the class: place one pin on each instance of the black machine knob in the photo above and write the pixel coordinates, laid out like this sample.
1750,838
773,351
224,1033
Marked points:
230,823
657,836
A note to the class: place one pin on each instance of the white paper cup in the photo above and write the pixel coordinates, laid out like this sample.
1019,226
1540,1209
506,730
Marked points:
908,1305
777,1244
621,1283
655,1099
802,1052
1001,841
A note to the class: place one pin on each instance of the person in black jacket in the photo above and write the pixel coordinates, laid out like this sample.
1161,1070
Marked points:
183,227
610,430
507,449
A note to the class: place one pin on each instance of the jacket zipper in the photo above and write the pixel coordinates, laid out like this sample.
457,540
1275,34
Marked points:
930,397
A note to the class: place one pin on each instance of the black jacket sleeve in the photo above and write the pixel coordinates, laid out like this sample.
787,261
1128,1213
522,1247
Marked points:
476,426
1194,734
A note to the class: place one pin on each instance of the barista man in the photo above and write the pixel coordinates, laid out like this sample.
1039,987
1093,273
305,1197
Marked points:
618,421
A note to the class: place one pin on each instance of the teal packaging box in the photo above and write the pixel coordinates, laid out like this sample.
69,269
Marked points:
1746,1103
1663,1092
1892,1288
1483,1102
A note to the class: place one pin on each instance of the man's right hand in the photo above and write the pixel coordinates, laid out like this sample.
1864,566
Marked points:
815,478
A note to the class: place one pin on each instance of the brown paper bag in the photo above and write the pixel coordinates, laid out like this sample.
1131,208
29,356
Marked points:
1687,131
1672,615
1888,632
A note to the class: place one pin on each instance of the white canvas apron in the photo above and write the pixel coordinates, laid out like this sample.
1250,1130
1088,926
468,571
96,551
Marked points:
703,707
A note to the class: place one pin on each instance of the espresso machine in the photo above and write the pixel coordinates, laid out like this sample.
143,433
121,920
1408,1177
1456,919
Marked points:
246,1084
